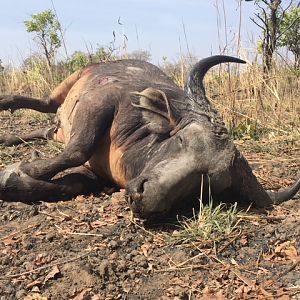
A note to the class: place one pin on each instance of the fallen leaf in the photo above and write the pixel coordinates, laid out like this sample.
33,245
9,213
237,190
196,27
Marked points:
234,262
35,296
287,250
42,258
80,295
80,198
36,282
35,289
55,270
244,241
8,241
146,249
126,289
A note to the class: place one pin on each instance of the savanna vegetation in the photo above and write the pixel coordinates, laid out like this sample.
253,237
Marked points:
97,251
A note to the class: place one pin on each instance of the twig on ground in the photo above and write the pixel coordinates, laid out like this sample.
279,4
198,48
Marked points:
192,267
291,268
228,243
78,233
44,267
19,231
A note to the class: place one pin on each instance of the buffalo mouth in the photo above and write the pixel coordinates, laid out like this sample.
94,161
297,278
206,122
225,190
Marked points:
154,198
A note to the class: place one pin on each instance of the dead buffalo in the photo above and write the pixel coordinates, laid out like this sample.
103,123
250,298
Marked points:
126,122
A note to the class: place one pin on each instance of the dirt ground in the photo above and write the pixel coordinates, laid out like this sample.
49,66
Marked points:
90,248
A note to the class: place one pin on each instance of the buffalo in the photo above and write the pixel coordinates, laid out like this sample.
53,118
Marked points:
127,123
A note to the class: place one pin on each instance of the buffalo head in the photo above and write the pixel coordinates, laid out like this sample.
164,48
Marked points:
194,142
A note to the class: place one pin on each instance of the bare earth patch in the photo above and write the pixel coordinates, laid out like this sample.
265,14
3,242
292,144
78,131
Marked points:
90,248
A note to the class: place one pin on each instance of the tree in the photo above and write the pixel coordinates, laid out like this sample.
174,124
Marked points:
270,16
47,29
79,60
290,34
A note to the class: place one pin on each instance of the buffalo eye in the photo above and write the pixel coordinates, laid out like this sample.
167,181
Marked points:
180,139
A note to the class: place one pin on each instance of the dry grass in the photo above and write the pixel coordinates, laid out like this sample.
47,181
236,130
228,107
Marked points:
262,105
251,104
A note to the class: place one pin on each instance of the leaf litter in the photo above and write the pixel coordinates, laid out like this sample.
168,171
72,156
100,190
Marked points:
91,248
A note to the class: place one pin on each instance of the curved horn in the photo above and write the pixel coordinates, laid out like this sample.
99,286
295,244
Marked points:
287,194
194,85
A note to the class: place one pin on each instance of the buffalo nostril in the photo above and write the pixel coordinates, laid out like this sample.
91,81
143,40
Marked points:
136,190
141,187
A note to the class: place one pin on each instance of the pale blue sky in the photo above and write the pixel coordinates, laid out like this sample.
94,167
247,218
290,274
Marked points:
157,23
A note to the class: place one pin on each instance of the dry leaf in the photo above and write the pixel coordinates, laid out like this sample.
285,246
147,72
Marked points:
36,289
80,295
287,250
55,270
35,296
234,262
36,282
268,257
8,241
126,289
146,249
244,241
158,240
80,198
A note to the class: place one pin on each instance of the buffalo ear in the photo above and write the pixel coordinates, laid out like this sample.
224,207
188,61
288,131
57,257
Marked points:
156,109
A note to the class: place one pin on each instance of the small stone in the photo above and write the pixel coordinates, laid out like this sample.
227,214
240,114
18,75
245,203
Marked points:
5,260
50,237
121,266
20,294
103,267
114,256
28,266
110,287
134,253
33,211
128,256
27,245
143,264
113,244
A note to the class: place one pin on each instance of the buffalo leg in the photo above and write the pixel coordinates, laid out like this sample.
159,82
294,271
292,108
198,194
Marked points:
87,130
17,186
14,102
43,133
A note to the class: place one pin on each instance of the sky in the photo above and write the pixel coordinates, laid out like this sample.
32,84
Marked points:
165,28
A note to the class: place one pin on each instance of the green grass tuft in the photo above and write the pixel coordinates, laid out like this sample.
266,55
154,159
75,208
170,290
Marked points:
210,223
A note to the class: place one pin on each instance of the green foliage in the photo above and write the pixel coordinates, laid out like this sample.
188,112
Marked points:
103,54
247,129
46,29
79,60
290,33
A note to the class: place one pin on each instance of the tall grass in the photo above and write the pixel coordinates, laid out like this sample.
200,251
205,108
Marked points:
250,104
